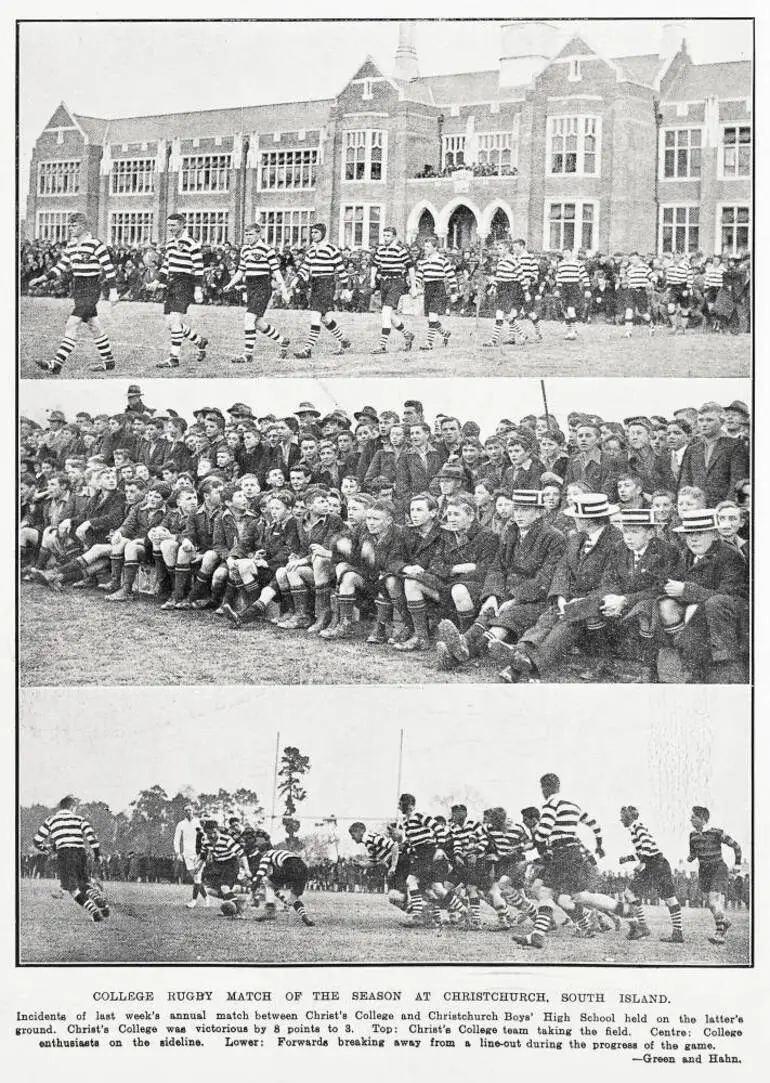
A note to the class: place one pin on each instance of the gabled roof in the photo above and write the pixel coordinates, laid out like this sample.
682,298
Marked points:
61,119
642,69
93,127
209,123
471,86
729,79
575,47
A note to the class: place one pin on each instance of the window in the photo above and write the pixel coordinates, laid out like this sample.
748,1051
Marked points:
132,176
453,151
679,229
364,156
682,152
208,227
735,226
496,152
571,225
361,224
52,225
290,169
205,173
131,227
287,227
736,151
58,178
366,89
573,145
575,71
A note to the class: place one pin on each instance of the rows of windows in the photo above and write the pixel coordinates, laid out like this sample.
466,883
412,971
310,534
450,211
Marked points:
290,169
132,176
495,152
571,225
364,156
131,227
205,173
52,225
58,178
361,225
683,150
208,227
284,228
680,229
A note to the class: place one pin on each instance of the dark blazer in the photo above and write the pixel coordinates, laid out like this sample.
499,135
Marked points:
379,557
179,456
722,570
660,562
654,470
601,477
516,477
200,528
227,536
323,532
524,567
580,574
280,540
384,463
153,455
105,512
729,464
140,520
412,476
479,547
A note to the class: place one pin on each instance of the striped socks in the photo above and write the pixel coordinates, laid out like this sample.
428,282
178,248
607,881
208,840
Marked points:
188,332
66,347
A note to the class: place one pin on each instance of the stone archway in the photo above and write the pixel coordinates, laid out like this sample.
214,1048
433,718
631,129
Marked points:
497,220
422,220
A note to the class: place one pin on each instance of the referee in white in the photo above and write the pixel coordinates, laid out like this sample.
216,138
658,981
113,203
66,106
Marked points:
186,846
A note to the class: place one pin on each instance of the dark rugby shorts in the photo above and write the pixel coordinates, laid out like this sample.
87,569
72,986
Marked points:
292,876
639,300
679,295
391,291
421,864
322,295
510,297
435,299
566,872
222,874
180,294
655,876
713,877
73,868
258,294
86,294
572,296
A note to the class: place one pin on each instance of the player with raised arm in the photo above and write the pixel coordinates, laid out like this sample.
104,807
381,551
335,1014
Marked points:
258,269
706,847
652,875
394,268
86,259
72,838
182,274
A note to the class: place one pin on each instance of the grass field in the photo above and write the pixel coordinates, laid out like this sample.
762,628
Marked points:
78,638
140,340
149,923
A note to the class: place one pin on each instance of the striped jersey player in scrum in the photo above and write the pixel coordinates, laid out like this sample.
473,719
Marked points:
87,260
72,838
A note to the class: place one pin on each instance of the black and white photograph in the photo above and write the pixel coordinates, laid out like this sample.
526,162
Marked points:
480,831
445,198
385,531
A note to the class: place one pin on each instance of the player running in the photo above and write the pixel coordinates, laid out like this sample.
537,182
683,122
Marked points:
320,267
72,838
258,269
706,846
86,259
653,876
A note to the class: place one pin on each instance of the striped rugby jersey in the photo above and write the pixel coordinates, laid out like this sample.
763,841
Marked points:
638,276
707,845
508,841
679,274
321,261
507,270
274,860
714,277
258,260
559,820
379,848
225,848
571,272
645,845
468,838
86,258
392,260
182,256
65,830
419,830
529,271
437,268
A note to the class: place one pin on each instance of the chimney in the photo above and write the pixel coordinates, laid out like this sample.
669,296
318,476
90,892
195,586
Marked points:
672,35
406,67
526,46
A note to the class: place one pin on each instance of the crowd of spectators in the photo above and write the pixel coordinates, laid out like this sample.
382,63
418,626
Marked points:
475,267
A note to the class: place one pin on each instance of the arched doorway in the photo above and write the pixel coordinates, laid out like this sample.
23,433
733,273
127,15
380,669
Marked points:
462,228
426,224
500,226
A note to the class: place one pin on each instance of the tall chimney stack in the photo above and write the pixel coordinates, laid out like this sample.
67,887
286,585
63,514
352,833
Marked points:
406,67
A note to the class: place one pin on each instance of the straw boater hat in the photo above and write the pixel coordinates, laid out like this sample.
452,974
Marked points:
527,498
307,408
637,517
693,522
591,506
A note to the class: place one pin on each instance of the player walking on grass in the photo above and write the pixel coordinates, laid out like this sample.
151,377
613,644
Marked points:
72,838
573,287
652,877
187,843
182,274
437,275
86,259
320,267
258,269
393,266
706,845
